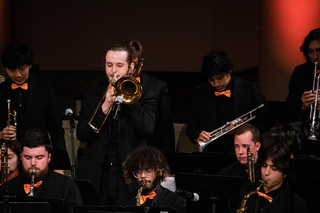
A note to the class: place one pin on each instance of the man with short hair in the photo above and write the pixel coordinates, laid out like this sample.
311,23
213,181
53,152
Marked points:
146,167
222,99
33,99
246,137
36,155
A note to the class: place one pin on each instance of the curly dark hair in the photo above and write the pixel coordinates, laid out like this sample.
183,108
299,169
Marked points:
147,157
313,35
217,62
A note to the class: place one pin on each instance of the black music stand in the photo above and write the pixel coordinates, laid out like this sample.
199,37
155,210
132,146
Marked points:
25,204
217,193
117,209
199,162
88,194
25,207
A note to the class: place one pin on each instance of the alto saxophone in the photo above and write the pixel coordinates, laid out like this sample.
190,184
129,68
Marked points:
33,174
141,187
251,170
243,206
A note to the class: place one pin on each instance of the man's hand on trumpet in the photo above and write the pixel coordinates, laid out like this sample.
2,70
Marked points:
203,136
308,98
8,133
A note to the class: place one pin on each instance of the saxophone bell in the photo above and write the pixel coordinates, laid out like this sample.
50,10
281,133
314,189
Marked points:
33,174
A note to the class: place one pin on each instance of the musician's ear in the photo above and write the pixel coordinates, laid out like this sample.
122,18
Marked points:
131,68
258,145
49,158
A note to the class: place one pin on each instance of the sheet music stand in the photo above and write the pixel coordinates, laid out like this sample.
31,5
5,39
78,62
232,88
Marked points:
25,207
199,162
117,209
24,204
60,160
87,191
217,193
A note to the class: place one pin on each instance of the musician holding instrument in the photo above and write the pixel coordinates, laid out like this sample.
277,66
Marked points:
144,169
36,156
110,129
222,99
33,100
246,143
274,195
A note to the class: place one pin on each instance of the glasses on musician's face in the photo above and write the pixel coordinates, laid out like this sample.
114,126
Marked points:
140,172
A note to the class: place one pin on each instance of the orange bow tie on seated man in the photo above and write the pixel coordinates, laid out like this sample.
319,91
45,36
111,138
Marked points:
226,93
27,186
143,198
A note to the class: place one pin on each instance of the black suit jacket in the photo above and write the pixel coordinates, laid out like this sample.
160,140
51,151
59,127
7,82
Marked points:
203,116
41,110
163,137
136,122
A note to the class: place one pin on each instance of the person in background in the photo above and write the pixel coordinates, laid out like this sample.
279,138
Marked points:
13,155
122,132
36,155
145,168
275,194
163,137
222,99
300,96
33,100
246,137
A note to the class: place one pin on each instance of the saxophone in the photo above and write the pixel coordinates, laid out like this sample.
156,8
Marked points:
141,187
251,170
243,206
33,174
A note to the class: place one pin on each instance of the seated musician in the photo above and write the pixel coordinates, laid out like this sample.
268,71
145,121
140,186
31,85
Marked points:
35,155
145,168
222,99
246,136
275,194
13,161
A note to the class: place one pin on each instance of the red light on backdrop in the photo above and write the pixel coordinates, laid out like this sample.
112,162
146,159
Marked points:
290,21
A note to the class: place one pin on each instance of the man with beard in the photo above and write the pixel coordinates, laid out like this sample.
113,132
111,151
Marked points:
145,168
36,155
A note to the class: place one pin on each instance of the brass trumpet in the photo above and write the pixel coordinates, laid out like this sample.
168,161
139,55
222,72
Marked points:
228,127
128,88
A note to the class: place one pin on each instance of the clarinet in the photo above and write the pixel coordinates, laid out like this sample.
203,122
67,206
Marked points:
141,187
33,174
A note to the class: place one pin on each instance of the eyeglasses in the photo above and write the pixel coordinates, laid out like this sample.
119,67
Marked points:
138,173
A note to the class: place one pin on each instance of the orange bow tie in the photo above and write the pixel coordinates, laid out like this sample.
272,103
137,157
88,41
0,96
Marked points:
143,198
138,79
22,86
265,196
27,186
226,93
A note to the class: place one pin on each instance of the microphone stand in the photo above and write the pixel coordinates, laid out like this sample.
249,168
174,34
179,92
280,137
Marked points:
73,163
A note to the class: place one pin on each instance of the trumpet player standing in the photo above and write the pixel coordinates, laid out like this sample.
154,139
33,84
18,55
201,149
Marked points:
222,99
117,135
301,96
